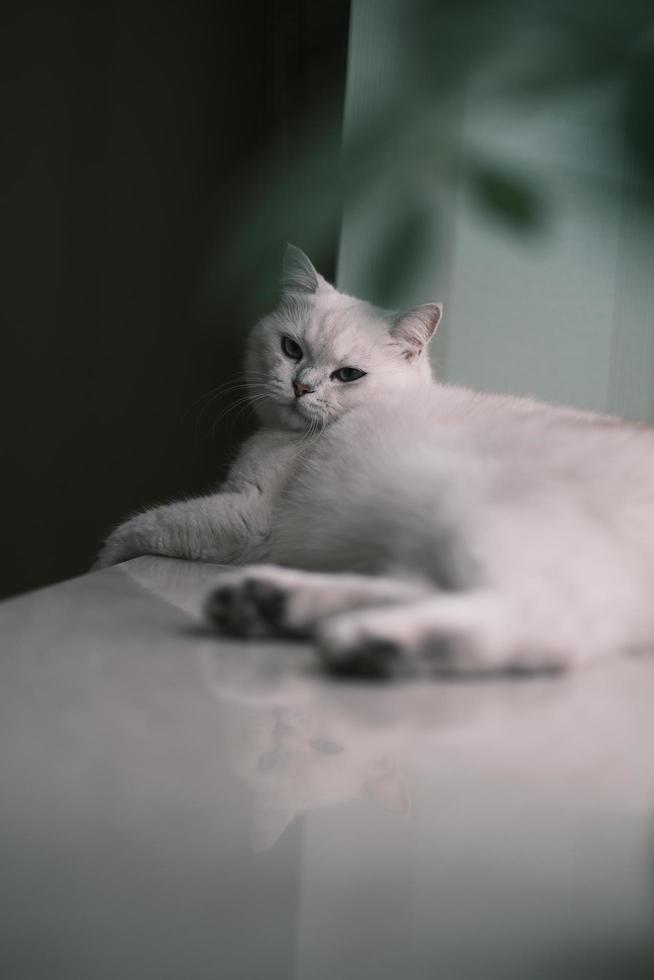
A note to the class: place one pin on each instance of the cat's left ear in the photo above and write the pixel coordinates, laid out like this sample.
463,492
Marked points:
414,329
298,273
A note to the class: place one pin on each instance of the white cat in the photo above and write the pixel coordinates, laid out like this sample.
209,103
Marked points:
438,530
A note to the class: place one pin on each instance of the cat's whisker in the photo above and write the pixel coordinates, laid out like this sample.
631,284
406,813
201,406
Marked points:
215,394
240,379
314,430
249,402
238,406
249,398
228,385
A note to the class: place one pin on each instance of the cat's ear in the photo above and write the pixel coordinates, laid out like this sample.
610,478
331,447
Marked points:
414,329
298,273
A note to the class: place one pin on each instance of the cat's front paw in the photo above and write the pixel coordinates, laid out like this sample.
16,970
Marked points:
351,646
247,603
462,635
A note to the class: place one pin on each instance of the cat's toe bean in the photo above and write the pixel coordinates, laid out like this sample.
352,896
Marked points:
351,652
217,606
246,606
269,601
375,659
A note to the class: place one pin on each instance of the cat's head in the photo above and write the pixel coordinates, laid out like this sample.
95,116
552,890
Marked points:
321,353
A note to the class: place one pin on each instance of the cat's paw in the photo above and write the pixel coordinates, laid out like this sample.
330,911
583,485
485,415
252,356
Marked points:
463,635
417,639
247,603
364,644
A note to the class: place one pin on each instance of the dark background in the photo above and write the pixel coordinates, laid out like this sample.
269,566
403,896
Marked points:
126,130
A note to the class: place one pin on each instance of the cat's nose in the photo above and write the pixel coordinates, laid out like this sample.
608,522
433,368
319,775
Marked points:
301,389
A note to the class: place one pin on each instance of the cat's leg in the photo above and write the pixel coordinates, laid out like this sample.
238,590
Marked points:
268,600
223,527
230,527
466,633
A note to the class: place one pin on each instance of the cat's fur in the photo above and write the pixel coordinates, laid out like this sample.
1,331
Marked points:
438,529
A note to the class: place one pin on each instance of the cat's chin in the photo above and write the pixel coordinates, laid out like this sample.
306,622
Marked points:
289,416
297,418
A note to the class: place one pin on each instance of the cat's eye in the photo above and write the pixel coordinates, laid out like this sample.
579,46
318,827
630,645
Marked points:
326,746
347,374
291,348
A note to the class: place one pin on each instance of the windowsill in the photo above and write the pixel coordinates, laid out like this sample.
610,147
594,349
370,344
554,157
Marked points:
494,829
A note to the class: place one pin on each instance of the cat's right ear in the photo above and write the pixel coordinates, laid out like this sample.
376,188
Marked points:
413,330
298,273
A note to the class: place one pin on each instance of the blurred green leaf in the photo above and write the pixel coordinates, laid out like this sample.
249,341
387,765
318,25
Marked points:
401,254
638,102
506,196
405,147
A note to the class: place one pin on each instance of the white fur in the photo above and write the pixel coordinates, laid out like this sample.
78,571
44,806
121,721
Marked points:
510,534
